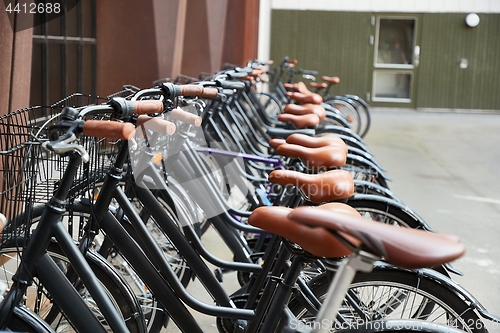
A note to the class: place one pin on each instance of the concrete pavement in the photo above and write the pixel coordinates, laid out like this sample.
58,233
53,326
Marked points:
446,167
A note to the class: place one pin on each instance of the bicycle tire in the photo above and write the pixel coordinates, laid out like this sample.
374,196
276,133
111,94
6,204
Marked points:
338,129
271,104
348,109
157,318
385,210
349,140
428,299
333,118
24,320
364,187
362,169
117,291
364,113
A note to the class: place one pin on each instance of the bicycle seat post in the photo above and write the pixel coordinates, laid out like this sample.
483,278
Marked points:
359,262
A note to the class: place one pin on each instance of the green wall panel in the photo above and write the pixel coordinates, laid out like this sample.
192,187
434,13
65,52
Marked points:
445,41
333,43
337,43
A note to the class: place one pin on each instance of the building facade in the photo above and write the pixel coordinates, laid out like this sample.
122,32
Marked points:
95,46
415,54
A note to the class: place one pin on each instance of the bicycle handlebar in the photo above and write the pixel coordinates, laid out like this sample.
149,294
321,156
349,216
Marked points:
186,117
108,129
210,93
237,85
308,72
190,90
156,124
236,75
171,90
257,62
125,108
148,107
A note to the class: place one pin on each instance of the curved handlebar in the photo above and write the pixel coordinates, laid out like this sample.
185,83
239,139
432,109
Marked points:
171,90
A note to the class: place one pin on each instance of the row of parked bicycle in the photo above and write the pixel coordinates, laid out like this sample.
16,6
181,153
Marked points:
108,201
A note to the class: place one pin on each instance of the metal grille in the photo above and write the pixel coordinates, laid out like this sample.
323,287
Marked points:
29,174
64,55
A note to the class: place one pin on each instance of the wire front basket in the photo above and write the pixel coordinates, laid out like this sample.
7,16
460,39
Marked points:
20,153
29,174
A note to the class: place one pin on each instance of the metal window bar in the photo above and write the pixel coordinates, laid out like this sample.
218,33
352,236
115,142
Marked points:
64,40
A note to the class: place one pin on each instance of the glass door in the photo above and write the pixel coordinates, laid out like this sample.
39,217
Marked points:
395,60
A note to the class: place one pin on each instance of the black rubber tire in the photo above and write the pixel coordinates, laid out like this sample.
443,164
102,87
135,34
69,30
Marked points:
365,171
23,320
122,297
364,113
407,286
271,104
156,319
348,109
385,210
364,187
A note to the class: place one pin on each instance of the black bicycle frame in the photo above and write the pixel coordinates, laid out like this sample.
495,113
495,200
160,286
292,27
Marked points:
134,241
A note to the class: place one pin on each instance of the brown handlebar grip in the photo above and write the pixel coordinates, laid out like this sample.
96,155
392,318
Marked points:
191,90
148,107
210,93
316,85
108,129
186,117
157,125
257,72
331,80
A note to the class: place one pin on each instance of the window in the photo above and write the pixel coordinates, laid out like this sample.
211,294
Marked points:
395,59
64,55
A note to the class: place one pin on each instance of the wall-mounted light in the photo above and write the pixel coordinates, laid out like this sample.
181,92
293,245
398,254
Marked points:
472,20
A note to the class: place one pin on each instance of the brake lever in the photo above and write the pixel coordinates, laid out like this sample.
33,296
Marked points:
62,147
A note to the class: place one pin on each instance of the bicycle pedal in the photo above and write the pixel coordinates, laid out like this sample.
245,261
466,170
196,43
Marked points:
218,274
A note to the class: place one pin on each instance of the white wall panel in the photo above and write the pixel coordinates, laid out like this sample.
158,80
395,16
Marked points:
410,6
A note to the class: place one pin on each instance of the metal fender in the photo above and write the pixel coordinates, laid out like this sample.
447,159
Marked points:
451,285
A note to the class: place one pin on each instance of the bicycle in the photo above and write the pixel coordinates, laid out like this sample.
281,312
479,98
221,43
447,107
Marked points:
367,241
25,144
362,107
342,106
113,230
145,194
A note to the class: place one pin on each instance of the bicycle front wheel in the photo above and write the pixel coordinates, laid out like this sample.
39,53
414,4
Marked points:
389,294
23,320
40,302
348,110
